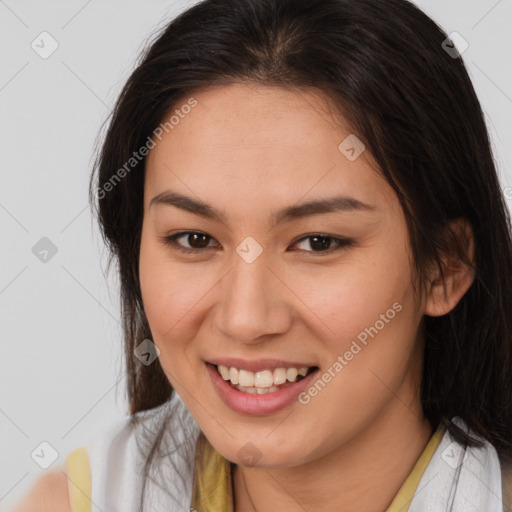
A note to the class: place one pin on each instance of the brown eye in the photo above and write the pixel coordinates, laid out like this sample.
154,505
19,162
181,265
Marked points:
320,243
195,240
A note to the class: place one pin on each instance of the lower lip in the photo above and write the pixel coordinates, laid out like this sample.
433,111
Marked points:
255,404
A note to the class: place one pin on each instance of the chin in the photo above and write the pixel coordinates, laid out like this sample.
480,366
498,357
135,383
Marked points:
261,452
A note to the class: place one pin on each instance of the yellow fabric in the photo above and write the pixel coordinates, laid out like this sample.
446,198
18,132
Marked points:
213,492
406,493
79,480
212,487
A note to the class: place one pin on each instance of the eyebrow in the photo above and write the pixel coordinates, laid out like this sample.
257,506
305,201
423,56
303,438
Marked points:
316,207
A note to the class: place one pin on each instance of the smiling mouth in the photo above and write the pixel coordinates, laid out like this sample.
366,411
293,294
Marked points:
263,382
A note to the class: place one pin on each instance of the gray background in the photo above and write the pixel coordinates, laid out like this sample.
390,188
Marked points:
61,373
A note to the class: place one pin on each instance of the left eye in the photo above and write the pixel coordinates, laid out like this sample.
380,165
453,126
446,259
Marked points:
320,243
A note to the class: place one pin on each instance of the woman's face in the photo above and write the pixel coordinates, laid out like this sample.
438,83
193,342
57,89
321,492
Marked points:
256,294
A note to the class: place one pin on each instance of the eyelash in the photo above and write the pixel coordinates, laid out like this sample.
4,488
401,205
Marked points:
171,242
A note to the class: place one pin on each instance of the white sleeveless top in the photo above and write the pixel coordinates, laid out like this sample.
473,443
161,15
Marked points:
117,457
455,479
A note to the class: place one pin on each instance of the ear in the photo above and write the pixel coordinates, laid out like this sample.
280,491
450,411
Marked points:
443,295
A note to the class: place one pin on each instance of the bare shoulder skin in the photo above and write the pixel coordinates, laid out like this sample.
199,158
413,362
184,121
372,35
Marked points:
49,493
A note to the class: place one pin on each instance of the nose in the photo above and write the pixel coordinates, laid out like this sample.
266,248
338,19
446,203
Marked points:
253,302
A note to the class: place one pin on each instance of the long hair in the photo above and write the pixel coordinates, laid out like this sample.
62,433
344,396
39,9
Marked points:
412,104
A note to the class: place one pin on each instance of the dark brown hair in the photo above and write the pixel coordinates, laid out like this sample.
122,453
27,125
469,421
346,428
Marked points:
415,109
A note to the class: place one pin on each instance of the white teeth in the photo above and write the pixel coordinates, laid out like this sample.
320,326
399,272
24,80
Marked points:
264,391
233,375
259,391
263,379
224,371
303,371
245,378
260,382
291,374
251,391
279,376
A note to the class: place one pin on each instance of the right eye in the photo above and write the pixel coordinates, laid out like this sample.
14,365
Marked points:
196,240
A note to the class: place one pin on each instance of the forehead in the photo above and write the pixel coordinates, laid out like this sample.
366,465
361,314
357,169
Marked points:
257,142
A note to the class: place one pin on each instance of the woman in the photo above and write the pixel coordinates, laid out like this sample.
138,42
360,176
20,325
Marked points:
316,267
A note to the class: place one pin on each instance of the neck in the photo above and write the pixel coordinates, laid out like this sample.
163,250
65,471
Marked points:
365,474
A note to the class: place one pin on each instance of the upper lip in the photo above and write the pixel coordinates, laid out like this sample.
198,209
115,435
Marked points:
259,364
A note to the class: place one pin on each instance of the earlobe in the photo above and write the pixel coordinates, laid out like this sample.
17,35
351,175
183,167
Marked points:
444,294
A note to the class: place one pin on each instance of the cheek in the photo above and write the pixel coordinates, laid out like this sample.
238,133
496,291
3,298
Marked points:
352,296
369,317
375,316
168,294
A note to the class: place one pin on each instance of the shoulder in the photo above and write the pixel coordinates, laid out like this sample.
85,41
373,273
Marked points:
461,473
110,464
49,493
